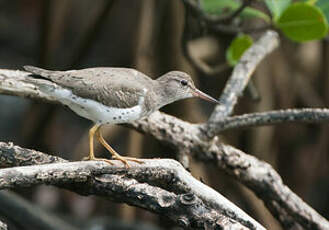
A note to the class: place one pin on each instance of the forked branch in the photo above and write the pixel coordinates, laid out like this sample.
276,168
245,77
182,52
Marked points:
161,186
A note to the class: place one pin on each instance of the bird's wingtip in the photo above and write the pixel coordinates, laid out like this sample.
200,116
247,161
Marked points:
29,68
36,70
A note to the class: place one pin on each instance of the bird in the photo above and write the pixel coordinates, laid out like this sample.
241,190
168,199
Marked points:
113,95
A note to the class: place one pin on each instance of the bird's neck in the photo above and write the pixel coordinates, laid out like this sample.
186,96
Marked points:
162,95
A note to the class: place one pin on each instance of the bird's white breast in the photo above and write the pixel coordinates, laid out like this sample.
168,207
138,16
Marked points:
96,111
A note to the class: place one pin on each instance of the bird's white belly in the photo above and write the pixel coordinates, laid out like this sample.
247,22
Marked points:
96,111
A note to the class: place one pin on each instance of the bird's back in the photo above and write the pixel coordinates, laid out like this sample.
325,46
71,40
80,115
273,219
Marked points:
115,87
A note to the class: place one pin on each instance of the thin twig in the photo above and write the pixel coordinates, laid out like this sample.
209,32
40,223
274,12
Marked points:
233,30
199,64
161,186
242,73
222,24
235,13
306,115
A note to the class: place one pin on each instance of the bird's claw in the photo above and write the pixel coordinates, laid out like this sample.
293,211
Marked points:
125,160
97,159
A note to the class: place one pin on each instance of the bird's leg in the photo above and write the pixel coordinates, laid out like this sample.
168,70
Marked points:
92,132
115,155
91,141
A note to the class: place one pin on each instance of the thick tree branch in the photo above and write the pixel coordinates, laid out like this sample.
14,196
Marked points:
306,115
14,82
259,176
267,184
161,186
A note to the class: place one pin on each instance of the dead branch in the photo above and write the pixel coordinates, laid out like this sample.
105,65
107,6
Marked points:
161,186
241,74
257,175
306,115
267,184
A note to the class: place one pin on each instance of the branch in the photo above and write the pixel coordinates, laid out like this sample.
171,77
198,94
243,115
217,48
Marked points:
267,184
34,217
242,73
197,63
228,29
15,82
257,175
222,24
3,226
306,115
192,139
160,186
235,13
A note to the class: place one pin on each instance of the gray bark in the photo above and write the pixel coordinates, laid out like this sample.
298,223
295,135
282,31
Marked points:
161,186
201,143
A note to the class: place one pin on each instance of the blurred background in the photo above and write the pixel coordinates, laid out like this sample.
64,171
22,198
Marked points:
154,37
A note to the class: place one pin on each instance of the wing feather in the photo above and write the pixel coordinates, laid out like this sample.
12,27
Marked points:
113,87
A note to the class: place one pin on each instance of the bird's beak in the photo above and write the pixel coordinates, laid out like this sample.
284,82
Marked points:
202,95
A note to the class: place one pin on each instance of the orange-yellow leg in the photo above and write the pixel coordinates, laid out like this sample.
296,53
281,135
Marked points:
115,155
92,132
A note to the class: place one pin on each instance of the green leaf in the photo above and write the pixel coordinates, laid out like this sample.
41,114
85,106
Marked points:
324,6
238,46
302,22
311,2
277,7
219,7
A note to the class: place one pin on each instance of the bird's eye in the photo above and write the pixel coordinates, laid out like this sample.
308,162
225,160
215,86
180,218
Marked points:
183,82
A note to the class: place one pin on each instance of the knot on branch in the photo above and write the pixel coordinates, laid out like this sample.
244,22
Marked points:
188,199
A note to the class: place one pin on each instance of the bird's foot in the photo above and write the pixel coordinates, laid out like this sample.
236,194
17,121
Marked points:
125,160
97,159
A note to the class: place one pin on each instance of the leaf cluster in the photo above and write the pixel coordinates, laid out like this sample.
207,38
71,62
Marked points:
299,21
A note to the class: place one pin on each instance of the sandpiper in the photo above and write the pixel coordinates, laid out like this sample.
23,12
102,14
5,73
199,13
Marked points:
113,96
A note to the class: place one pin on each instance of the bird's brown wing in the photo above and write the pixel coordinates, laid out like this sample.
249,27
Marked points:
114,87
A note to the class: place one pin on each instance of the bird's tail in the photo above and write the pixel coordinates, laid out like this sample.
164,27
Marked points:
38,71
43,85
42,80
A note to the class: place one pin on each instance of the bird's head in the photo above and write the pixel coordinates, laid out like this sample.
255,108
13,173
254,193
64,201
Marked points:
179,85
